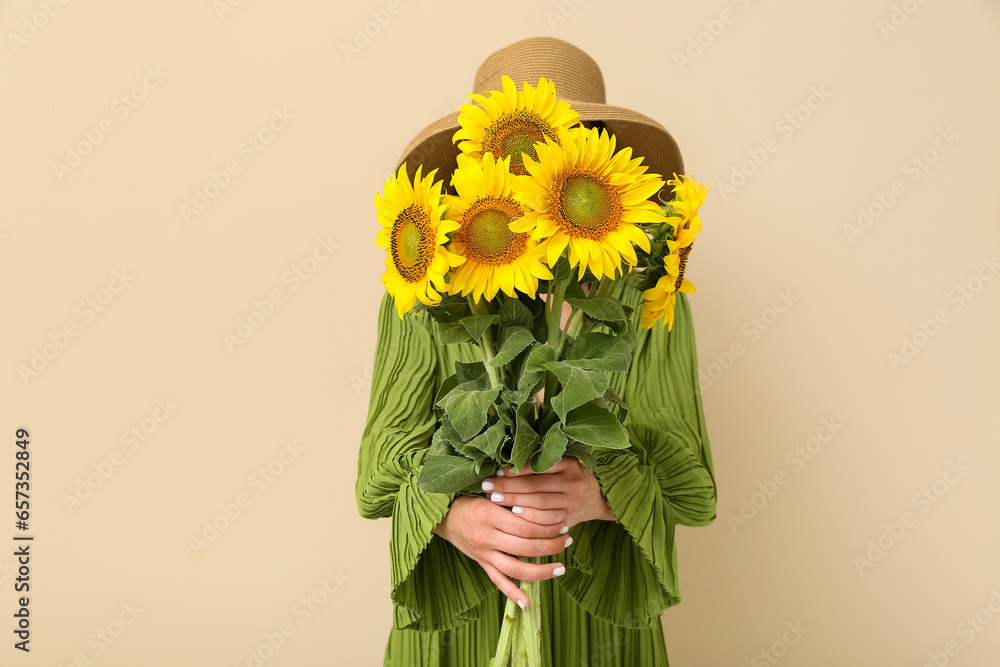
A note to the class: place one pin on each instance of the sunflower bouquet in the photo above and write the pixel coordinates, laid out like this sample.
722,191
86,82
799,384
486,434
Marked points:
540,203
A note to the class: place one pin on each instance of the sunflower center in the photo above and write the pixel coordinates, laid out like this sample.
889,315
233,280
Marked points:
514,133
486,231
412,243
587,204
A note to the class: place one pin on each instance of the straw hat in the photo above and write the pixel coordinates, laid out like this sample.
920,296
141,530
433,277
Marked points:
577,79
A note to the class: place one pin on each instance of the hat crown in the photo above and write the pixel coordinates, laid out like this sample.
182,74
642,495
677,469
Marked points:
576,76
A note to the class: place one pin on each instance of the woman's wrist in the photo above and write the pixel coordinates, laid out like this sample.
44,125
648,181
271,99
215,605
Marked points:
602,510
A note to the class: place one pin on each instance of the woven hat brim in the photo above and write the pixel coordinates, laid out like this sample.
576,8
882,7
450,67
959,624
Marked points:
433,147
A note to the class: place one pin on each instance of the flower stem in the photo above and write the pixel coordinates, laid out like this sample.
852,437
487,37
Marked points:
510,620
553,304
486,342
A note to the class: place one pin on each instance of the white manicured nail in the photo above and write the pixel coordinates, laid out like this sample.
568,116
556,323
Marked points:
564,530
569,541
517,509
559,571
487,486
500,472
497,497
520,604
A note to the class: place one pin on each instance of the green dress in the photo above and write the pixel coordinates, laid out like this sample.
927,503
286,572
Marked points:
620,575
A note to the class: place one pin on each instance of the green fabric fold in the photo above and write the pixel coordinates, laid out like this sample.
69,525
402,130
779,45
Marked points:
396,438
625,572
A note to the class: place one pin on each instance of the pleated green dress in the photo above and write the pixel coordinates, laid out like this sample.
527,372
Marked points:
620,575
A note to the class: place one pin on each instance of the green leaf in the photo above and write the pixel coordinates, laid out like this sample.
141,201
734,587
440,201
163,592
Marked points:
599,351
467,408
596,426
526,439
446,474
446,430
451,333
514,312
629,335
553,446
532,372
503,412
601,308
441,445
583,455
612,397
575,290
477,324
488,442
488,468
540,325
578,386
516,338
449,383
562,270
472,371
452,308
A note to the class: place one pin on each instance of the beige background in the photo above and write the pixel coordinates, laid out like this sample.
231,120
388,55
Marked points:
302,376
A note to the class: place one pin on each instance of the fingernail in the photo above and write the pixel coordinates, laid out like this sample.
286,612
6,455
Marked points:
517,509
564,530
487,486
559,571
497,497
569,541
520,604
499,472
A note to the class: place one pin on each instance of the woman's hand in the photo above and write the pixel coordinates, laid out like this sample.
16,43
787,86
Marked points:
492,535
564,495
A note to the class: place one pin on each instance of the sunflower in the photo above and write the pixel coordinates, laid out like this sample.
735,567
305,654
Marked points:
510,122
495,257
582,194
414,233
659,300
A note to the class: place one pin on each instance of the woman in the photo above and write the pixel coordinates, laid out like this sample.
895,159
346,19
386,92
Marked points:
606,540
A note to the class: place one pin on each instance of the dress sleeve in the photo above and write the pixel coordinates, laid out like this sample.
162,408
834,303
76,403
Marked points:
434,586
625,571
